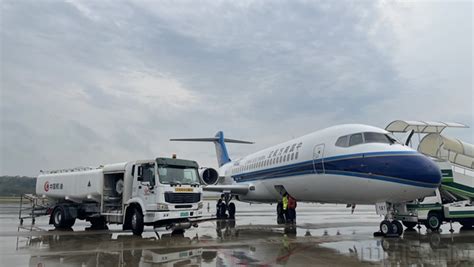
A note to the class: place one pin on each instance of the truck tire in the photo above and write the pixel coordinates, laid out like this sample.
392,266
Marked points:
136,221
59,218
434,221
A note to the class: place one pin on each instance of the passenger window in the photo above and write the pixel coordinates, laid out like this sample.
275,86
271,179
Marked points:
376,138
355,139
342,141
292,156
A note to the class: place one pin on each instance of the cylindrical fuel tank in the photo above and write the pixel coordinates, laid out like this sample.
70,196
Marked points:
71,185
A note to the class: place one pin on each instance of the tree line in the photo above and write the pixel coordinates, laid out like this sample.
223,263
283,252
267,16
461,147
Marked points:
15,186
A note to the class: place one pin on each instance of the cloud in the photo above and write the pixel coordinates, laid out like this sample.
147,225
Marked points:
92,82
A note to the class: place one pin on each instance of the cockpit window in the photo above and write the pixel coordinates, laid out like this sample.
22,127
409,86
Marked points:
355,139
343,141
376,138
367,137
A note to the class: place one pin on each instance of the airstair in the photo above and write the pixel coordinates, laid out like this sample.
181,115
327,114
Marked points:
454,199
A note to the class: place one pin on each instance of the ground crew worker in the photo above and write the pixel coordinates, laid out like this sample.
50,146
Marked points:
221,208
284,201
292,209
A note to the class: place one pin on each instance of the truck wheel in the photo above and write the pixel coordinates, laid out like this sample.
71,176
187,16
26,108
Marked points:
410,225
59,218
136,221
433,221
231,210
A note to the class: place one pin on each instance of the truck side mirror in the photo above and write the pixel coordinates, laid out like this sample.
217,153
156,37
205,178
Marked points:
140,173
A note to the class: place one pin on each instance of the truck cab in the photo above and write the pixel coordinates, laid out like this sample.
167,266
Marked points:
165,192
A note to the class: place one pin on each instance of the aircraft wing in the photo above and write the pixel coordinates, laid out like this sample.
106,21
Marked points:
231,188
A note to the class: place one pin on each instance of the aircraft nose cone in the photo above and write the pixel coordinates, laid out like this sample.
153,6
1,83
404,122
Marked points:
425,170
418,169
410,168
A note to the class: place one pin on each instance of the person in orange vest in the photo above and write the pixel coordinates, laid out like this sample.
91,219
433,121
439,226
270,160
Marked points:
291,210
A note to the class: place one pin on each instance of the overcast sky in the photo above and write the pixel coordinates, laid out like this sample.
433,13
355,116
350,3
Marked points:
85,83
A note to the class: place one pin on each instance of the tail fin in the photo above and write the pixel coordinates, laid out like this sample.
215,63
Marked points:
219,141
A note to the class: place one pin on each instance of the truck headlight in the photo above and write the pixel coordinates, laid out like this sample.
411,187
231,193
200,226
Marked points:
200,205
162,206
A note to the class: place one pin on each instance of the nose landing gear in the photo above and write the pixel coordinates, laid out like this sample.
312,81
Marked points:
392,228
389,227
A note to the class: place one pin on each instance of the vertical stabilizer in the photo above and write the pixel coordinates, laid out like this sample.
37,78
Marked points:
219,141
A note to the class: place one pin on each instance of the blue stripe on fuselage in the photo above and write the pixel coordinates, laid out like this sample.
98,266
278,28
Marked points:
405,167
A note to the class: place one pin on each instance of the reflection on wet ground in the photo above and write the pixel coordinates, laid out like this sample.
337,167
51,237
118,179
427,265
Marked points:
326,235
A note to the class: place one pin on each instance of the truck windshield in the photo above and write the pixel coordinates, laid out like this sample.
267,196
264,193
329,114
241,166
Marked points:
178,175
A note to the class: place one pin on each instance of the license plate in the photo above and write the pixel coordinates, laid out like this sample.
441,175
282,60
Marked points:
184,214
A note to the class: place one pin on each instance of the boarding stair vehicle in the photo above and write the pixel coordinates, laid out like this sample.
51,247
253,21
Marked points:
453,200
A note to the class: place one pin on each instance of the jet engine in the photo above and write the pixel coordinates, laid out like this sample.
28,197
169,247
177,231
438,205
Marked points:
208,176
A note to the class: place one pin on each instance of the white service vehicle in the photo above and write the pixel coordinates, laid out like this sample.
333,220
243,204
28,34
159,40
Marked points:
453,200
165,192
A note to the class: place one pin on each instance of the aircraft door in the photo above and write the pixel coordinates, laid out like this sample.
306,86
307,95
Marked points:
318,159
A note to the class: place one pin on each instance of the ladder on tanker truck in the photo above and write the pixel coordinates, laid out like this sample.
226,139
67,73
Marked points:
34,207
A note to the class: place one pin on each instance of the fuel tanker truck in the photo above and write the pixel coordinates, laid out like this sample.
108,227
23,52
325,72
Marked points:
165,192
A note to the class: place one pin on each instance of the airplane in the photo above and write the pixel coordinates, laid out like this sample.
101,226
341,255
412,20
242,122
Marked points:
349,164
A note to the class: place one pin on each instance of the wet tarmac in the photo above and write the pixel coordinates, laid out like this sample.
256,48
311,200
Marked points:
326,235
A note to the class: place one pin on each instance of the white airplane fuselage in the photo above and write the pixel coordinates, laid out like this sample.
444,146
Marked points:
312,168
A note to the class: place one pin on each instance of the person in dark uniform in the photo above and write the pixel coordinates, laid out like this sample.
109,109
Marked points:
291,209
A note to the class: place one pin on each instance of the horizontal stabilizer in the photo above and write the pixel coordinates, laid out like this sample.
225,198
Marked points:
212,139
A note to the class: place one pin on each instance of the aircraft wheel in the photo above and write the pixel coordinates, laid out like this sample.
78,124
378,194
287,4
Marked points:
433,221
136,222
231,209
397,227
386,227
